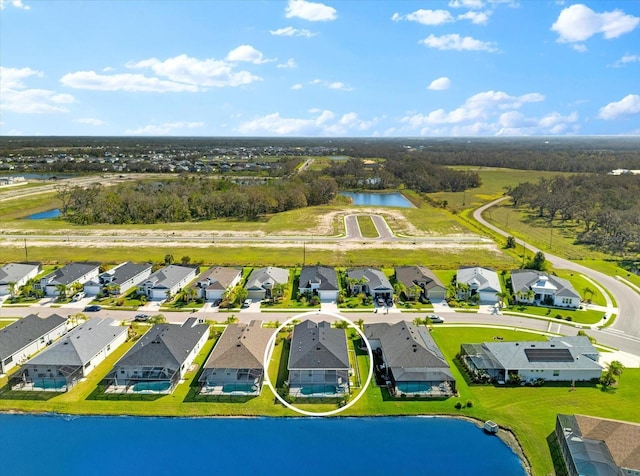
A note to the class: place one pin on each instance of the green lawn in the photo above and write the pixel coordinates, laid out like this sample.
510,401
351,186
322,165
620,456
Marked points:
367,228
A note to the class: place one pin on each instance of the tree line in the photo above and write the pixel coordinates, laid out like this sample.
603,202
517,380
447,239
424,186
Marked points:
607,207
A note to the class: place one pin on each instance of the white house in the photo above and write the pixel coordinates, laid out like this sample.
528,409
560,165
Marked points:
17,274
261,281
167,281
120,279
481,281
531,286
214,282
68,275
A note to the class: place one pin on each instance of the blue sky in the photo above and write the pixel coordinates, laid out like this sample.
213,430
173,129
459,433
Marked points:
333,68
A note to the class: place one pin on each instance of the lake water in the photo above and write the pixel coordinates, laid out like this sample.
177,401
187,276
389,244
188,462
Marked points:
378,199
58,445
45,215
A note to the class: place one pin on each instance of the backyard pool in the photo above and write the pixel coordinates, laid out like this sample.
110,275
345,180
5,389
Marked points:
151,387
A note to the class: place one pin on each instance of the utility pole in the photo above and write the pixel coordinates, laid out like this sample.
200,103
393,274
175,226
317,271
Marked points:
26,251
304,252
550,237
524,253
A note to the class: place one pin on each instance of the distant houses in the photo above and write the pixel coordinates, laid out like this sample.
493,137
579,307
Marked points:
118,280
59,367
23,338
321,281
568,358
167,282
235,367
534,287
261,281
481,282
15,275
214,282
408,359
318,362
430,286
66,277
159,359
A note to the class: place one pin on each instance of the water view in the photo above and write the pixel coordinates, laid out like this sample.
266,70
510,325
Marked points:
378,199
310,446
54,213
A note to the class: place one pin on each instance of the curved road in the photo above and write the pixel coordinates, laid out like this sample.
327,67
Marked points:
628,301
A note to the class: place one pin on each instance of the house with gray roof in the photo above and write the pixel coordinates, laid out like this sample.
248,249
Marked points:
321,281
318,361
119,280
235,366
592,446
159,359
60,366
24,337
534,287
564,358
432,287
17,275
482,282
214,282
369,281
68,276
261,281
167,281
407,358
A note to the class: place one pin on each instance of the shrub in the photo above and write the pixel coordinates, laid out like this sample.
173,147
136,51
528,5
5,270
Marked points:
569,318
458,405
469,403
558,316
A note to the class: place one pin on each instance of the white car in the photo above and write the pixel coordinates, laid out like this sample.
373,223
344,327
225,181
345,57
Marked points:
435,318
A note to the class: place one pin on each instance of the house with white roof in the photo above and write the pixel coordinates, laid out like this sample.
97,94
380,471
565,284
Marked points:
369,281
261,281
534,287
68,276
167,281
16,275
480,281
119,280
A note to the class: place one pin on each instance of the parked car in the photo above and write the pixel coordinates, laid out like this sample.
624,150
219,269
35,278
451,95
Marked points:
380,302
247,303
78,296
93,308
435,318
142,317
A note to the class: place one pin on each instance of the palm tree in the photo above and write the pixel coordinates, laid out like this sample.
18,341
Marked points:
190,294
62,290
278,290
616,367
12,288
360,324
502,298
416,291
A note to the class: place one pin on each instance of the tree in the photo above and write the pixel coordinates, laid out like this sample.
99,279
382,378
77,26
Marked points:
241,295
614,369
360,324
62,290
12,288
277,291
415,291
168,259
538,262
185,260
511,242
190,294
503,298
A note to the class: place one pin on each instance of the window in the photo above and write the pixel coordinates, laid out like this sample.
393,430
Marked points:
556,373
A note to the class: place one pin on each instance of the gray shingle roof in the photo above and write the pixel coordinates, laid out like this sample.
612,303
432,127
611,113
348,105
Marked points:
23,332
326,275
169,276
523,279
78,346
376,279
318,346
240,346
259,277
487,279
14,272
70,273
164,345
128,271
410,275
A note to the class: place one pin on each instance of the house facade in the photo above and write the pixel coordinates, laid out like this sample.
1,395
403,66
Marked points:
119,280
235,366
261,281
369,281
16,275
408,359
159,359
60,366
68,276
166,282
318,361
23,338
431,286
319,280
214,282
482,282
561,359
533,287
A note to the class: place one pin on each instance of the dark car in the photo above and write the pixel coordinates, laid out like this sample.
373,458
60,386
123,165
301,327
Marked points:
142,317
93,308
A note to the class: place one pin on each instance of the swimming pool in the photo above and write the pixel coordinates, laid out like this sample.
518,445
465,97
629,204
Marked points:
55,385
319,390
151,387
239,388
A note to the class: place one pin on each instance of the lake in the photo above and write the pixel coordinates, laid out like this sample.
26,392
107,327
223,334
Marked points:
55,213
378,199
65,445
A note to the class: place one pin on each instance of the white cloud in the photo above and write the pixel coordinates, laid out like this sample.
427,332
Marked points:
14,3
291,63
466,4
16,97
339,85
477,18
310,11
291,31
296,86
456,42
247,53
579,47
325,123
426,17
123,82
579,23
626,59
440,84
196,72
627,106
89,121
168,128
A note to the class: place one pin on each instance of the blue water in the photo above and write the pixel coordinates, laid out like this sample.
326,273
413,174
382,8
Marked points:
55,213
378,199
151,386
257,446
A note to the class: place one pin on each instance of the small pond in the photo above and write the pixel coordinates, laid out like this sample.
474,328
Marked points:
55,213
378,199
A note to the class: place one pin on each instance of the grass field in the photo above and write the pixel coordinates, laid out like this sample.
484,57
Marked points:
367,228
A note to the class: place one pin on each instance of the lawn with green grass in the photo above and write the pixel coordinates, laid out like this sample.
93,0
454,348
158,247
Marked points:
589,316
367,228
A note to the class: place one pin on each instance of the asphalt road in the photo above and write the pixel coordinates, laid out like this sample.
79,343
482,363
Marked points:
627,300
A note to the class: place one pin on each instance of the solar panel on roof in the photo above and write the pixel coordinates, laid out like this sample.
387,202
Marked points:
548,355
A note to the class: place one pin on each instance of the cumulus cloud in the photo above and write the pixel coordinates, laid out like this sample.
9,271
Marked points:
426,17
466,4
89,121
310,11
168,128
291,63
246,53
123,82
477,18
627,106
291,31
579,23
324,123
626,59
14,3
17,97
440,84
456,42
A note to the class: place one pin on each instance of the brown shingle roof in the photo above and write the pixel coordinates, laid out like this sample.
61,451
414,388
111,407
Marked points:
621,437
